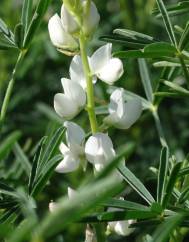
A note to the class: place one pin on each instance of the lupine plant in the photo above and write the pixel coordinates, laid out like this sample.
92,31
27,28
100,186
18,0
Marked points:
101,194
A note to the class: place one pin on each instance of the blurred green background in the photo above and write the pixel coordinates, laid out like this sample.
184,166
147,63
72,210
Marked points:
38,80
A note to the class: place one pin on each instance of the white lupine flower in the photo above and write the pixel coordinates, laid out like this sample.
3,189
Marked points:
59,37
74,150
76,71
123,114
102,65
69,104
105,67
99,150
120,227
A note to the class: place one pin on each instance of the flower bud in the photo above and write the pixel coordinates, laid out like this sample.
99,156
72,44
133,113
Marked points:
68,21
59,37
91,18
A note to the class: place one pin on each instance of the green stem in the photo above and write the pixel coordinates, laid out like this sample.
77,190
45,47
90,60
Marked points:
90,89
185,70
9,89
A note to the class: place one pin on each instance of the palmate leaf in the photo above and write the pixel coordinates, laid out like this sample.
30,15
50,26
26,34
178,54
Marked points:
176,88
35,22
6,32
136,184
45,162
184,38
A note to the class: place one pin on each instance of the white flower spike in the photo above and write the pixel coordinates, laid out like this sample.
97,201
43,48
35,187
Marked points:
69,104
123,114
59,37
99,150
74,151
105,67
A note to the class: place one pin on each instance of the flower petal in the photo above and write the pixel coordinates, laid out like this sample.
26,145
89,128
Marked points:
111,72
68,164
69,23
91,20
77,73
99,149
100,58
63,109
53,206
75,136
74,92
122,228
58,36
63,148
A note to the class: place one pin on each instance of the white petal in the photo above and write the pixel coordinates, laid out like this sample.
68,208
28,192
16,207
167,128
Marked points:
100,58
63,109
58,36
68,21
71,193
75,136
76,72
111,72
63,149
74,91
99,149
117,102
133,110
91,21
68,164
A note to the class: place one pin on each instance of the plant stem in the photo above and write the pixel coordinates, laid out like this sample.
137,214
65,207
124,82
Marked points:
185,70
90,89
10,88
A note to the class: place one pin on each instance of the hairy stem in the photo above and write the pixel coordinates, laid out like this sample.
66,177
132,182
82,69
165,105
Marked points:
90,89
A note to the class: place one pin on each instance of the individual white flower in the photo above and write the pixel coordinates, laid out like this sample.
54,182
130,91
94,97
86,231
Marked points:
120,227
77,73
59,37
104,66
123,114
69,104
99,150
74,150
